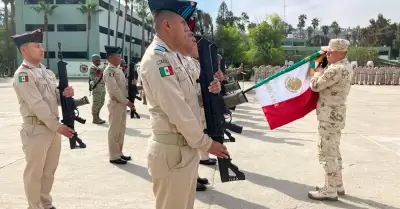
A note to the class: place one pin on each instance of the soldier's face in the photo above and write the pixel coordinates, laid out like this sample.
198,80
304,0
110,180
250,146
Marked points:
194,50
115,59
33,51
97,62
180,30
334,56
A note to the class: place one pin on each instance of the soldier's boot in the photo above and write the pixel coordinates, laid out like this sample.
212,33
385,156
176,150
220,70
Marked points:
102,121
96,119
339,184
328,192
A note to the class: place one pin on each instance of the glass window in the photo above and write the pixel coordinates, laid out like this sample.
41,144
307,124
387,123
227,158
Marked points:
71,27
74,55
105,5
119,12
51,54
37,1
104,30
70,1
103,55
31,27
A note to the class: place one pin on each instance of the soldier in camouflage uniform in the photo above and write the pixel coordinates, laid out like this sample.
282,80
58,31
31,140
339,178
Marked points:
333,86
98,88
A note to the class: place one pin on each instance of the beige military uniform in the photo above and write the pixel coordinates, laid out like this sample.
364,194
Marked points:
37,94
177,130
117,90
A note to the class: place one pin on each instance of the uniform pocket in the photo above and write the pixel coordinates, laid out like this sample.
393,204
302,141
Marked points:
156,163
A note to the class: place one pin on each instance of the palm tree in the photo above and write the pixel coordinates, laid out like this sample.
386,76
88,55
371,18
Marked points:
315,23
116,29
325,31
90,9
335,28
47,10
142,9
309,32
123,34
302,24
130,34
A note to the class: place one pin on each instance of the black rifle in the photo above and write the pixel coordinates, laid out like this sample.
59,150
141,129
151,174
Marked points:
70,112
133,91
213,108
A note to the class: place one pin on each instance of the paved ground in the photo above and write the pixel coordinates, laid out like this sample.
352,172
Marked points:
280,165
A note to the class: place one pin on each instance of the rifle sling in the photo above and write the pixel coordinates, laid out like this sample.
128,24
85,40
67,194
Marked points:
101,78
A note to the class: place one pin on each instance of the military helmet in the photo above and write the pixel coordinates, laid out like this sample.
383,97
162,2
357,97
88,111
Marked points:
95,57
123,61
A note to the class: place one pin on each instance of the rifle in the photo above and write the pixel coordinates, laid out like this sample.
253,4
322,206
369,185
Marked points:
70,112
133,91
215,120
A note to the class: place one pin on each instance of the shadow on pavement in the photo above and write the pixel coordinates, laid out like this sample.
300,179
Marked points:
261,136
136,170
213,197
299,191
134,132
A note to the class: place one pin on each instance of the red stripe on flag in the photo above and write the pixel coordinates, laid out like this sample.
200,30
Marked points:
290,110
171,72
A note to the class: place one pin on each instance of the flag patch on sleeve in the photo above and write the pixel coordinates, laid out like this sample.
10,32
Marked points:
166,71
111,74
23,77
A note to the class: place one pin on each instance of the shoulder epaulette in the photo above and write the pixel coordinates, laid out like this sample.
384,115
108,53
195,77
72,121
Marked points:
160,49
27,66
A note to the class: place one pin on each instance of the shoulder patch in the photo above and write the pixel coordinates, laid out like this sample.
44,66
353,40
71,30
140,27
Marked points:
111,74
23,77
26,66
160,48
166,71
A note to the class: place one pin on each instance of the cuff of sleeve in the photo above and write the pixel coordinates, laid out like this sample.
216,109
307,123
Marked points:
207,146
55,126
317,74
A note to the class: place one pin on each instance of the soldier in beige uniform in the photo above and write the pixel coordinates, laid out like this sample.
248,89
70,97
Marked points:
177,130
116,86
36,89
333,86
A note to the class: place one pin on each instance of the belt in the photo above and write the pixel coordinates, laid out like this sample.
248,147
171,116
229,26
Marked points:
33,120
171,139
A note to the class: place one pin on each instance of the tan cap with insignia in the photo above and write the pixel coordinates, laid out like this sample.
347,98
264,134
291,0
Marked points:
339,44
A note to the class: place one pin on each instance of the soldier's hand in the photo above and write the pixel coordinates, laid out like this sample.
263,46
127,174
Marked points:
218,150
215,86
68,92
130,105
219,75
66,131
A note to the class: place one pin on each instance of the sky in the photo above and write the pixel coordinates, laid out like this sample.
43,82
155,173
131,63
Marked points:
348,13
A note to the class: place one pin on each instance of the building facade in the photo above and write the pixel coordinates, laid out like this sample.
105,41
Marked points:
69,27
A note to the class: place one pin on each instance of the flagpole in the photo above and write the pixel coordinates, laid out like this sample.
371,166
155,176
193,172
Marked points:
288,69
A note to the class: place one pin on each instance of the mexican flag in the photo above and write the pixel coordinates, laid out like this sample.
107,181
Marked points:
286,95
166,71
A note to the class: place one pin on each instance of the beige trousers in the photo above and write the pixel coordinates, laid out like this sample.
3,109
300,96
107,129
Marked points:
173,170
42,153
116,131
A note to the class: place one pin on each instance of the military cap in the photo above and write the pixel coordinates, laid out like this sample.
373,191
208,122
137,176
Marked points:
219,57
183,8
112,50
337,45
95,57
35,36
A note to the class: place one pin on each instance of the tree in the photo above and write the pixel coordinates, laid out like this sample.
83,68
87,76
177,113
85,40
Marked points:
362,54
142,9
117,26
47,10
315,24
309,32
230,40
124,30
335,28
302,24
243,21
90,9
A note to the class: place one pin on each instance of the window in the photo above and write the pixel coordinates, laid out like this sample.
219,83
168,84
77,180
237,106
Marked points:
104,30
105,5
70,1
127,38
37,1
119,12
51,54
31,27
71,27
103,55
74,55
120,35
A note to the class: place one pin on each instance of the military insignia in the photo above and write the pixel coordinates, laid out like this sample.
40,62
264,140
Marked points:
23,77
83,68
293,84
166,71
111,74
26,66
98,73
160,48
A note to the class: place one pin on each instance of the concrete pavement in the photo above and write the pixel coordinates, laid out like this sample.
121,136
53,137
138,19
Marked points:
280,165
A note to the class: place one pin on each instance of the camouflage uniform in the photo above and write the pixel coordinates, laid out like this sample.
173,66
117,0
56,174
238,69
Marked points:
99,91
333,87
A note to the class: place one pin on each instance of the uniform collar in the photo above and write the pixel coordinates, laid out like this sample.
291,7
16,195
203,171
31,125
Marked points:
160,42
32,66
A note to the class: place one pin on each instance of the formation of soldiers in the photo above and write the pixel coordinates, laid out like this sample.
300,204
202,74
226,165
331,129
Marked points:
264,72
382,75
